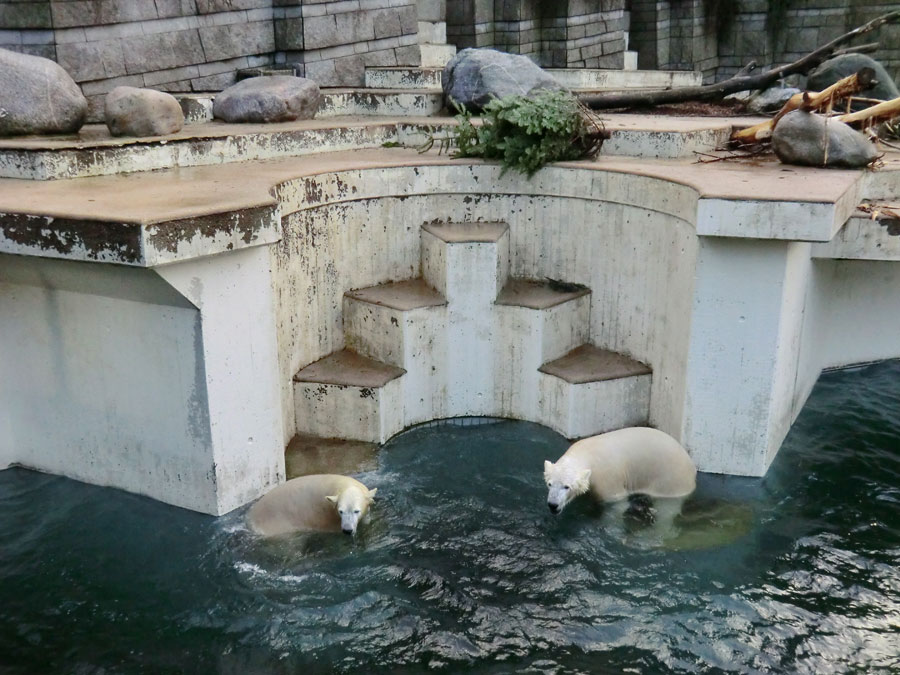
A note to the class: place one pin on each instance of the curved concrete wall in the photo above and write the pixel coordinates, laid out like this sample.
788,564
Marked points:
354,229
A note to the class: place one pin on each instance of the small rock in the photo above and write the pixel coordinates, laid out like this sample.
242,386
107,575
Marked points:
142,112
839,67
772,99
800,138
276,98
475,76
38,97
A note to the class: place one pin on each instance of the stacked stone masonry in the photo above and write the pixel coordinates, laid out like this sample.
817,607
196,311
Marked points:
555,33
719,37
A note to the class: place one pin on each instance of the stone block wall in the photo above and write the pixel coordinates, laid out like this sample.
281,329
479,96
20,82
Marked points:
332,42
554,33
719,37
170,45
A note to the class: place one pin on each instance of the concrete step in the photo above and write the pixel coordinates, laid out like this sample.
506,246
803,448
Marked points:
350,396
403,77
307,454
577,79
403,324
341,102
593,79
381,102
436,56
539,321
591,390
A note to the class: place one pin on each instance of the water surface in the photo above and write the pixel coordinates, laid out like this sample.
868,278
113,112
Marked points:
463,567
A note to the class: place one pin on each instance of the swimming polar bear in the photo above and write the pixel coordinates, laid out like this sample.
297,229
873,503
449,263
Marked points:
322,502
636,460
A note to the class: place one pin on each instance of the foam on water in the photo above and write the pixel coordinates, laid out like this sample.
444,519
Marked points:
462,566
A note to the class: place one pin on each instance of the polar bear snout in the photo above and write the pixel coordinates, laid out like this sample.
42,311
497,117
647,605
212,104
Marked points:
554,508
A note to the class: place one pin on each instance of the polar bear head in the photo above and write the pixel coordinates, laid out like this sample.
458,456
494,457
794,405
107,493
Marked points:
564,483
352,504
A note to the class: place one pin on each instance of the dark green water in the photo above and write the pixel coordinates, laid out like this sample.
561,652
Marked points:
463,568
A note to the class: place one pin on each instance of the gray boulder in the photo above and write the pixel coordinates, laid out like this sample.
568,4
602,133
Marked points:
771,100
800,138
475,76
276,98
38,97
142,112
839,67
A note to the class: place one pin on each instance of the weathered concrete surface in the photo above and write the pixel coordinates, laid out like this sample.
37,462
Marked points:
145,376
142,112
39,97
94,152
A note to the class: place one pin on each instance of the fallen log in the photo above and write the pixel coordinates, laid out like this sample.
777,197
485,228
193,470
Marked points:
826,98
741,82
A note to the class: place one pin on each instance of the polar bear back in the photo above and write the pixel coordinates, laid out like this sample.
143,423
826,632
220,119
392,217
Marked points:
635,460
300,504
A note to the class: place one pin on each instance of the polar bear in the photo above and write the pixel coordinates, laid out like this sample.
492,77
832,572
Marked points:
615,465
323,502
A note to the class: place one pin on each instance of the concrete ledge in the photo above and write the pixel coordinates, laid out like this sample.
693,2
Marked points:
588,363
539,294
349,369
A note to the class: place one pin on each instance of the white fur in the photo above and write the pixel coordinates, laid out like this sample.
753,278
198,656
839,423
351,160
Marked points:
322,502
637,460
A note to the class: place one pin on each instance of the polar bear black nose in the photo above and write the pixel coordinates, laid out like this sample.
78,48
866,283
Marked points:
554,508
346,530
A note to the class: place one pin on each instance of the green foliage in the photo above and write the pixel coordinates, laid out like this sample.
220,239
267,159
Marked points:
527,133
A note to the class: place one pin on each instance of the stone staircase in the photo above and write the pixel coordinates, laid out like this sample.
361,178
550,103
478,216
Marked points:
404,91
466,339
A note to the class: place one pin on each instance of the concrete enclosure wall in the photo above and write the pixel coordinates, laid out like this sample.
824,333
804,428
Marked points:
628,238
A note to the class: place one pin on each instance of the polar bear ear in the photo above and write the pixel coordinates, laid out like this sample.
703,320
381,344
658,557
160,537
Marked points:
372,493
332,498
584,480
547,465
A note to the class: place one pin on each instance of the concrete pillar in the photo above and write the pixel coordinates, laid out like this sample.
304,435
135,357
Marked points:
160,383
748,309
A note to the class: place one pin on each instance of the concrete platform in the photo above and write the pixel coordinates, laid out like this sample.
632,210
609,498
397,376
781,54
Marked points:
306,455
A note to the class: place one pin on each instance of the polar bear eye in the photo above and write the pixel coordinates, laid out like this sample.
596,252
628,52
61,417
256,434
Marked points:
341,511
566,487
356,512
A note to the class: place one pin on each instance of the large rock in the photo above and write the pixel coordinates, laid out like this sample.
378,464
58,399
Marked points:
475,76
276,98
771,100
839,67
800,138
38,97
142,112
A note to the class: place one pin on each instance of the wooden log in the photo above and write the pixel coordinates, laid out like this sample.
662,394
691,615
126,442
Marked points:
877,113
606,100
808,101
